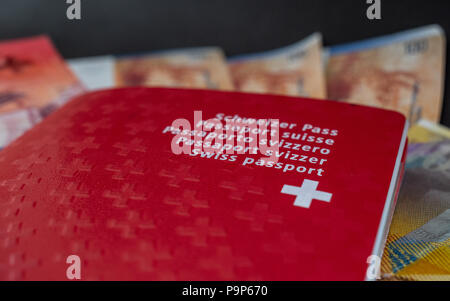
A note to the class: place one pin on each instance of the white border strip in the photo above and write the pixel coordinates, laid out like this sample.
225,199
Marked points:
380,239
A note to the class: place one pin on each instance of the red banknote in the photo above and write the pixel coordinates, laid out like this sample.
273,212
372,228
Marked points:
34,81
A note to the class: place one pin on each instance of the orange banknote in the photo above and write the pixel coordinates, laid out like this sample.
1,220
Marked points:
295,70
33,75
34,81
402,72
203,68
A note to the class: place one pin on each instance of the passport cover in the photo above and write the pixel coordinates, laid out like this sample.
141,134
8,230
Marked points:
98,179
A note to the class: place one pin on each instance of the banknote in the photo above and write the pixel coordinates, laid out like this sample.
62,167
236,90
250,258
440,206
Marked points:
418,243
33,77
32,74
402,72
425,131
14,124
94,72
295,70
203,67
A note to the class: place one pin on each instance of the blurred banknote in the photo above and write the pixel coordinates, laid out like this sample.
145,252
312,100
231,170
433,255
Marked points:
418,243
402,72
185,68
296,70
14,124
425,131
32,77
94,72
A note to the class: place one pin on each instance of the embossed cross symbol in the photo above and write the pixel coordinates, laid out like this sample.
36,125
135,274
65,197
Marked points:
306,193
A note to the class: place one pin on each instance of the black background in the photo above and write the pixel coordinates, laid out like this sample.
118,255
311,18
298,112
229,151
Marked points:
238,26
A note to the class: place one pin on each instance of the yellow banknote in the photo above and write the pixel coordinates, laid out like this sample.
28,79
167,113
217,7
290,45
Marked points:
402,72
418,243
295,70
185,68
425,131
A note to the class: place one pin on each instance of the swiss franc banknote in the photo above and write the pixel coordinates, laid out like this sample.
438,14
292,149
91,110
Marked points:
33,78
94,72
425,131
402,72
14,124
296,70
418,243
203,68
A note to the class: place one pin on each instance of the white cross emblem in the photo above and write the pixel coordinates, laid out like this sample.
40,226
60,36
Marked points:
306,193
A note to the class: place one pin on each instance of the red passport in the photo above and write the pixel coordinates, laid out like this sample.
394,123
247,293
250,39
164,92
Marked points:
171,184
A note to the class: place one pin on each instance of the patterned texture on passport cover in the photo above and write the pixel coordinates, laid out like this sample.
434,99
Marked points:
89,181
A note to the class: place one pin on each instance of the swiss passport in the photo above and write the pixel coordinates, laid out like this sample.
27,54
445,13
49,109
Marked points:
173,184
